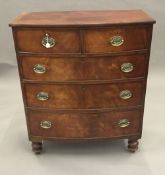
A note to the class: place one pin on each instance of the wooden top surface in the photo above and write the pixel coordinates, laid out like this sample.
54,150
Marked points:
82,18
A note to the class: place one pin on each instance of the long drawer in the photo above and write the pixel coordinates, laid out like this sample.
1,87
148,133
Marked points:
80,125
85,96
92,68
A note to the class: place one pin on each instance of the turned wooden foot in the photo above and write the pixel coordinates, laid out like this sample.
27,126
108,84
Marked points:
133,145
37,147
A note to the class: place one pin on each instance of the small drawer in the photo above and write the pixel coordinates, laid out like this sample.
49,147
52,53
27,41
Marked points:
84,125
117,39
45,40
84,96
72,69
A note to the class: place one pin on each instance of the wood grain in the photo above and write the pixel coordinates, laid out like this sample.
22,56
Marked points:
82,18
83,96
83,76
78,125
76,69
30,40
135,38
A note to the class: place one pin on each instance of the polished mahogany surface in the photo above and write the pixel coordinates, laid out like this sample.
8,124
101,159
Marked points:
83,73
79,125
78,69
81,18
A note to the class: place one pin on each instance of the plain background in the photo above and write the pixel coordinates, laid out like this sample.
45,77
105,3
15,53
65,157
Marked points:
99,158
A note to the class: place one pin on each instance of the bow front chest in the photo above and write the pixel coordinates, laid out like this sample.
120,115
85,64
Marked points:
83,73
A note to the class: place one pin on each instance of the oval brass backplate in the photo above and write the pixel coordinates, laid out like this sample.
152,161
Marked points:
39,69
123,123
48,41
127,67
117,40
125,94
46,124
42,96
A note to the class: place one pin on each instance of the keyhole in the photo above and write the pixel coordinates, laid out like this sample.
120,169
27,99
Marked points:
83,88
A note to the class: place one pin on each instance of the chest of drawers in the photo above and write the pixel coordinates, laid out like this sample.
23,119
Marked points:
83,74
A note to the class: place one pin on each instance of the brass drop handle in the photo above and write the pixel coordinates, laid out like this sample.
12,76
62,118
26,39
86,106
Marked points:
125,94
45,124
127,67
48,41
116,40
39,69
42,96
123,123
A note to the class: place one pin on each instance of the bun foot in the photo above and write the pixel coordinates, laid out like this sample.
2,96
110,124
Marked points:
133,145
37,147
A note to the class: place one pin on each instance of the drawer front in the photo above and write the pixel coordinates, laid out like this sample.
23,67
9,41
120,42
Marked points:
117,39
69,69
59,96
84,96
110,95
81,125
48,41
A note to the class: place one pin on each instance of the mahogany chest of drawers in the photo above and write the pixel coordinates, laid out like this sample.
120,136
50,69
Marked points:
83,74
